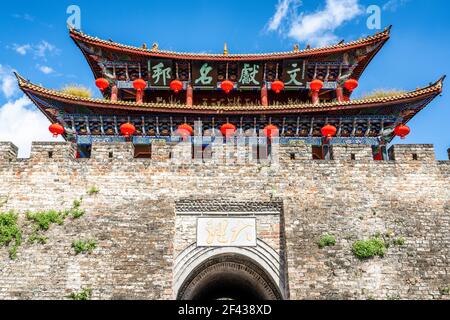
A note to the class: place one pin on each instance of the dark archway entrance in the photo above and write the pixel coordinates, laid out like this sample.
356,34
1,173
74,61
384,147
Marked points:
232,277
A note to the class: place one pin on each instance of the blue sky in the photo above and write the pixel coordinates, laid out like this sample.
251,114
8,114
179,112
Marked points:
34,41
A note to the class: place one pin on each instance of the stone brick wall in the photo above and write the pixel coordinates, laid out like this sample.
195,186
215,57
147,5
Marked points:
133,218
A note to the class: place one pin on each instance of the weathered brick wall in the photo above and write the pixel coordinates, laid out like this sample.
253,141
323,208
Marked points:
133,219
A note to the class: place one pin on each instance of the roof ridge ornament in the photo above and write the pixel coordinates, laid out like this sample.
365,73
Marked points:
296,48
225,49
155,46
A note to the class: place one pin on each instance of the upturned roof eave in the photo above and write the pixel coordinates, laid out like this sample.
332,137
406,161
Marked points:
420,94
378,37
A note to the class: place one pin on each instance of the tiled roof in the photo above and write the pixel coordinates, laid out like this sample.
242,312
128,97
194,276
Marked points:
381,36
423,93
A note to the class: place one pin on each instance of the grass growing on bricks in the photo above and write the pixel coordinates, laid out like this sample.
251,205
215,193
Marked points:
84,246
10,232
366,249
327,240
84,294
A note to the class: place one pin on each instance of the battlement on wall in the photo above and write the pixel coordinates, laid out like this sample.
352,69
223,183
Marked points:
215,153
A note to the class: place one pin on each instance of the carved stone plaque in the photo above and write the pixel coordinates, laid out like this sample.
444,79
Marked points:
226,232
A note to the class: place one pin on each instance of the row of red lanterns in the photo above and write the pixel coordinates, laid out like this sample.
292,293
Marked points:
229,129
227,85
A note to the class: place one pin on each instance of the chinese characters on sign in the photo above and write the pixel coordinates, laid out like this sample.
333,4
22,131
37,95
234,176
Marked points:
250,75
295,74
226,232
161,73
247,75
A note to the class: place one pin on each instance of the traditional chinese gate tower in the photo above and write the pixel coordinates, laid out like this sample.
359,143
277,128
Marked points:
244,231
303,95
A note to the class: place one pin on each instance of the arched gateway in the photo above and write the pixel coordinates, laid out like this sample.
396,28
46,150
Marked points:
229,276
226,249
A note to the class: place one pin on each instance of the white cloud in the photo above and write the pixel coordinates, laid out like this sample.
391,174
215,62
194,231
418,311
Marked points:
393,5
317,28
281,13
45,69
22,49
8,83
22,123
41,50
25,16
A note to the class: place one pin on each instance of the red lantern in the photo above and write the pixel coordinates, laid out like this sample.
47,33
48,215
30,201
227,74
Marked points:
227,86
277,86
185,130
270,131
56,129
228,129
402,131
139,84
127,129
316,85
329,131
102,83
176,86
351,84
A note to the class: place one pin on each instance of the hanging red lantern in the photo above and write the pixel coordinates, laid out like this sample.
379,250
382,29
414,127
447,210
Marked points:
228,129
56,129
176,85
227,86
271,131
102,84
402,131
185,130
351,84
329,131
139,84
127,129
277,86
316,85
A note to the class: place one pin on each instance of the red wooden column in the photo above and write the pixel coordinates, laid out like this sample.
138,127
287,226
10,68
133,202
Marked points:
315,96
340,93
315,86
264,98
190,96
114,93
140,96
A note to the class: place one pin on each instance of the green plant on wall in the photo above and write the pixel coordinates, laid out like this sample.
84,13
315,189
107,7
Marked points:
93,191
327,240
85,294
76,212
366,249
445,291
10,232
42,221
84,246
399,241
